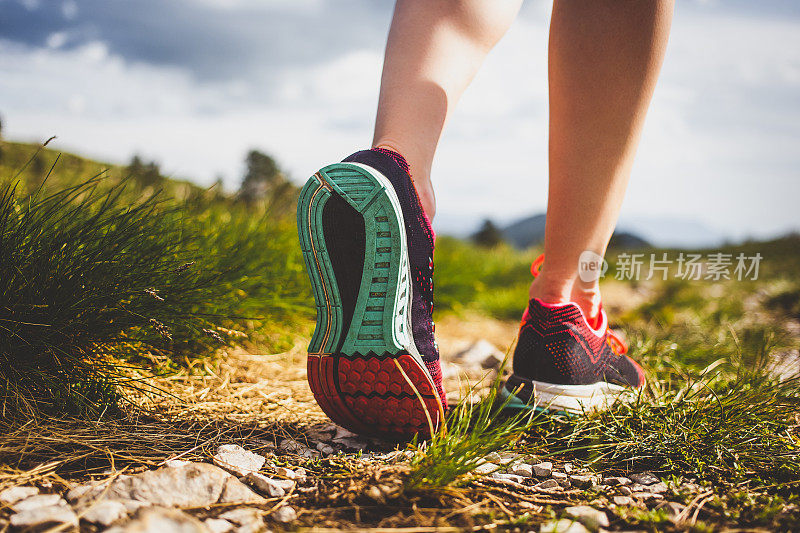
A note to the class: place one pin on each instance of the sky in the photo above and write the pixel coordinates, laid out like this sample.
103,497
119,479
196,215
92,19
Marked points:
194,84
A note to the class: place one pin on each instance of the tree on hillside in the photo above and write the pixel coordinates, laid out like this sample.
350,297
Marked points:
144,174
262,178
489,235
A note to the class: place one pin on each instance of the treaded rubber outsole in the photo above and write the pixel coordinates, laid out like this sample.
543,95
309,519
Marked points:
368,379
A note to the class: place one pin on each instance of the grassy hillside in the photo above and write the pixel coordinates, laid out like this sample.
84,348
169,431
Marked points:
100,270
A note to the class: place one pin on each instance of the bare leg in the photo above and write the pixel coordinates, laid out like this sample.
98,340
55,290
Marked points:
604,59
435,47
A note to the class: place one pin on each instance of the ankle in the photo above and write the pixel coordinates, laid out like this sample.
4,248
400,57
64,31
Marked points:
565,290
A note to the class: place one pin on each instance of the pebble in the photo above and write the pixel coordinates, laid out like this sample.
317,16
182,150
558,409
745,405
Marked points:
194,485
568,468
15,494
514,478
161,520
176,463
293,447
543,469
590,517
39,516
563,526
673,509
582,481
481,354
274,488
218,525
548,484
623,500
618,481
105,512
493,457
658,488
486,468
325,448
522,469
562,479
242,516
298,474
645,478
237,460
285,514
625,491
34,502
79,491
647,496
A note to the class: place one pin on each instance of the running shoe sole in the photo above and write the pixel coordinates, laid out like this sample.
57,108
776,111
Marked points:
572,399
363,366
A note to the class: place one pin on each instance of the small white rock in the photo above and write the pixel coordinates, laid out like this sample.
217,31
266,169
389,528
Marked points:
486,468
590,517
522,469
568,468
242,516
645,478
648,496
493,457
237,460
105,512
548,484
42,500
38,516
274,488
514,478
623,500
581,481
285,514
625,491
176,463
543,469
218,525
15,494
657,488
562,526
325,448
562,479
480,354
673,508
618,481
298,475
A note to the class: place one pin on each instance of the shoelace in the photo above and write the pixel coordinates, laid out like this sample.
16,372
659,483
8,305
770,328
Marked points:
618,346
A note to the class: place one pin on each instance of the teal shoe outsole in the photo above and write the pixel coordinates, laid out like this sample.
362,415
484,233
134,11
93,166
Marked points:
364,369
380,317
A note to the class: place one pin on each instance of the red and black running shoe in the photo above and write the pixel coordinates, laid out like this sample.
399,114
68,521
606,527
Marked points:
373,364
564,363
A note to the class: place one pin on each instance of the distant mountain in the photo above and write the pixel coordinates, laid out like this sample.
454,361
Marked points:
673,232
530,231
525,232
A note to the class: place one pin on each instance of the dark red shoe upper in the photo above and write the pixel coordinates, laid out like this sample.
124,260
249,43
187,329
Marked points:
420,240
556,345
